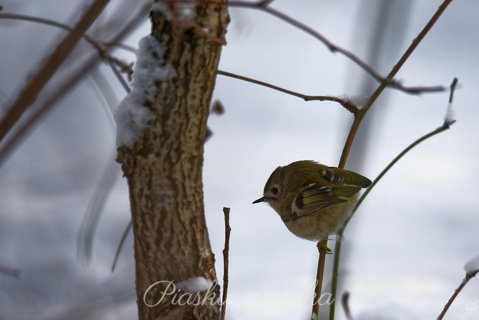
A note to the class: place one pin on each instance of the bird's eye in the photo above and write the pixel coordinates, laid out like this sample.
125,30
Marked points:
275,190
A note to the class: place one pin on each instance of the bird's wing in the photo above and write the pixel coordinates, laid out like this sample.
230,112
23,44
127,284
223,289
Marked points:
316,197
342,177
332,186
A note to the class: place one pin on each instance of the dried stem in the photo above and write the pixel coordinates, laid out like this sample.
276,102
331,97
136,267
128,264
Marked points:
30,92
226,250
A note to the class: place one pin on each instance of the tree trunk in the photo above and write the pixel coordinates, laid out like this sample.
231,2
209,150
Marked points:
164,170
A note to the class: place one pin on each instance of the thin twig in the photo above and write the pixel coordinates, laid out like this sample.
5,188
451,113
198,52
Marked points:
444,127
120,78
95,206
346,104
335,272
100,47
53,23
469,276
30,92
345,304
120,246
360,115
259,5
339,238
452,89
226,250
14,273
323,250
64,87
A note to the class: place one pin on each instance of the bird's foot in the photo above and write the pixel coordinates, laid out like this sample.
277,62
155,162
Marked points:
323,247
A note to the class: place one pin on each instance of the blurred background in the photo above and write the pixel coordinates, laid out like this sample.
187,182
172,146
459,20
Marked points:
404,250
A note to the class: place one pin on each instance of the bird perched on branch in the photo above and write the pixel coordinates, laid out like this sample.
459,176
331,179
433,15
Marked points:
312,199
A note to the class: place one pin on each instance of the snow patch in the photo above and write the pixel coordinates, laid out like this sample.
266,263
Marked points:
160,6
185,10
357,100
195,284
450,117
472,266
132,116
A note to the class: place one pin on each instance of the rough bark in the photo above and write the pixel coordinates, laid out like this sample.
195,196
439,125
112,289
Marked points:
164,170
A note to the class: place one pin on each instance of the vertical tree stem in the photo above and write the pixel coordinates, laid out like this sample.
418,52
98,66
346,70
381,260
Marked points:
164,170
322,248
226,252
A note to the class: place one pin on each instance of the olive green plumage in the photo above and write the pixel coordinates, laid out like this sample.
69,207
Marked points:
312,199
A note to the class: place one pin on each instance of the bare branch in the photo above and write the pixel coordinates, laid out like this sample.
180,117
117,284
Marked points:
64,88
345,304
334,48
120,246
226,250
360,115
30,92
14,273
100,47
120,78
458,290
346,104
323,250
337,250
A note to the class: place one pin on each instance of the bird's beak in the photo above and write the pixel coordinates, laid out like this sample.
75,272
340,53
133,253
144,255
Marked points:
259,200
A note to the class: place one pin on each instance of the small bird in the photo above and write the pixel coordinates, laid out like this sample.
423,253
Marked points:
312,199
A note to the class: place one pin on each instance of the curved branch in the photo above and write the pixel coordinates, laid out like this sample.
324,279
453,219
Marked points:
346,104
33,88
360,115
263,6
